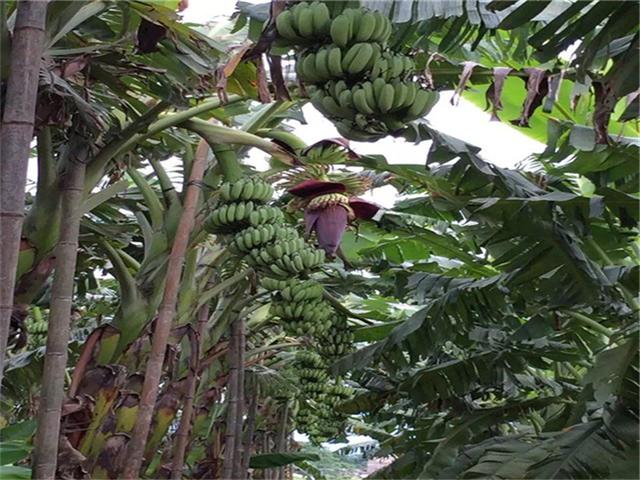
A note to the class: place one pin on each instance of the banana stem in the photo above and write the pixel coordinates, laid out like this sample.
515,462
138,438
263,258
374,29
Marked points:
588,322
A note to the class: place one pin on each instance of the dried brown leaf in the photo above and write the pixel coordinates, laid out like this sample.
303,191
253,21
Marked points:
537,88
605,103
467,70
494,92
277,78
261,76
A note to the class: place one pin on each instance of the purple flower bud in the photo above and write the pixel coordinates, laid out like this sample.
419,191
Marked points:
329,224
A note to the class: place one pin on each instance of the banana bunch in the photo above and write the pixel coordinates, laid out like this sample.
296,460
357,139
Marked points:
305,419
337,341
257,233
329,62
363,87
256,237
377,98
336,394
243,206
311,317
37,328
360,25
392,65
312,373
309,359
325,421
294,290
248,188
304,22
233,217
286,264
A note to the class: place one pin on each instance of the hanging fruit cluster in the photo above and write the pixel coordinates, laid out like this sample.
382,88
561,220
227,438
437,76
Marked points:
317,415
258,234
37,328
336,342
364,87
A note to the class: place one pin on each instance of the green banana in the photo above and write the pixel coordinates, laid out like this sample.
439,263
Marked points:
321,65
297,11
308,69
378,85
360,102
366,27
350,56
379,28
367,88
247,191
284,26
412,90
305,23
330,105
321,19
401,91
334,62
422,104
345,99
360,60
340,30
236,190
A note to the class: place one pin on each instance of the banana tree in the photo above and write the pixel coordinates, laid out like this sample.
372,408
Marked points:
517,287
17,129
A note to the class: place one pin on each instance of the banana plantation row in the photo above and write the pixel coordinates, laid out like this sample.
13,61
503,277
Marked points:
170,311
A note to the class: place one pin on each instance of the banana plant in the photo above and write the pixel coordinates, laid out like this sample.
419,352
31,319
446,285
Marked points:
513,295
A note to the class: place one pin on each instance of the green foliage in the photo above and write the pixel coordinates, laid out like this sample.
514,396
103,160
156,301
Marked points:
332,465
495,309
15,448
271,460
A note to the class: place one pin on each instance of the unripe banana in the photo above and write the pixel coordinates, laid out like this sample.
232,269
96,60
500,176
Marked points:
340,87
340,30
350,56
412,91
297,262
321,19
379,28
239,212
330,105
397,66
345,100
360,102
308,69
284,26
236,190
225,191
366,27
422,104
401,91
361,60
321,65
247,190
297,10
334,62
